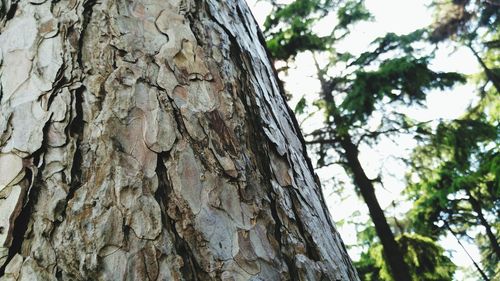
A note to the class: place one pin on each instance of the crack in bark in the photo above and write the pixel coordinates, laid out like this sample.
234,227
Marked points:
9,14
20,228
293,271
264,163
59,83
76,129
76,126
255,121
311,248
21,223
88,6
190,268
245,25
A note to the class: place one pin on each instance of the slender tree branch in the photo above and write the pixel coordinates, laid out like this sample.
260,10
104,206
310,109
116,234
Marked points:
375,134
465,250
489,73
322,141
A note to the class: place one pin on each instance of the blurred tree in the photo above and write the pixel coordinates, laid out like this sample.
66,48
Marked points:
424,256
473,24
387,79
455,182
454,179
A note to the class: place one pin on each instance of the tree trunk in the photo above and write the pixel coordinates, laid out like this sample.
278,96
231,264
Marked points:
392,251
393,254
148,140
476,206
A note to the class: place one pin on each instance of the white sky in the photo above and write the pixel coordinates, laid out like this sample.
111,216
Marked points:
398,16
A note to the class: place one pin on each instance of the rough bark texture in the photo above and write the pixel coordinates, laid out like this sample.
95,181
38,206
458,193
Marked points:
148,140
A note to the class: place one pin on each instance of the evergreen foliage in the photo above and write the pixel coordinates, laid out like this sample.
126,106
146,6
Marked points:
453,176
426,259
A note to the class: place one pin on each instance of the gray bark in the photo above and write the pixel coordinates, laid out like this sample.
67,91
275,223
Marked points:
149,140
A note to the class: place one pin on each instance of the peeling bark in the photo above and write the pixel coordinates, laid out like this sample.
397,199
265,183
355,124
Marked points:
149,140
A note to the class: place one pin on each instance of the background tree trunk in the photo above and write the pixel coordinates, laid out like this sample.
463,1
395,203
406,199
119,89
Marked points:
149,140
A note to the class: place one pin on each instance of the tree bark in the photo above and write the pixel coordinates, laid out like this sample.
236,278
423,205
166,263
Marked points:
149,140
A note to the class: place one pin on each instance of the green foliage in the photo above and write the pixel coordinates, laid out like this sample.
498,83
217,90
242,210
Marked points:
475,25
351,12
462,157
301,105
289,29
425,258
367,265
457,173
488,257
405,79
455,176
455,170
464,137
391,42
305,9
288,43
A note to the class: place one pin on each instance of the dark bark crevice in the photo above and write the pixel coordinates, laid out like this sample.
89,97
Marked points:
77,124
59,83
12,11
246,23
21,226
32,182
312,250
263,162
88,8
76,129
254,121
181,248
256,124
278,226
191,269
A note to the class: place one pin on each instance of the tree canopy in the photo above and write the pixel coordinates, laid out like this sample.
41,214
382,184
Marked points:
452,175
